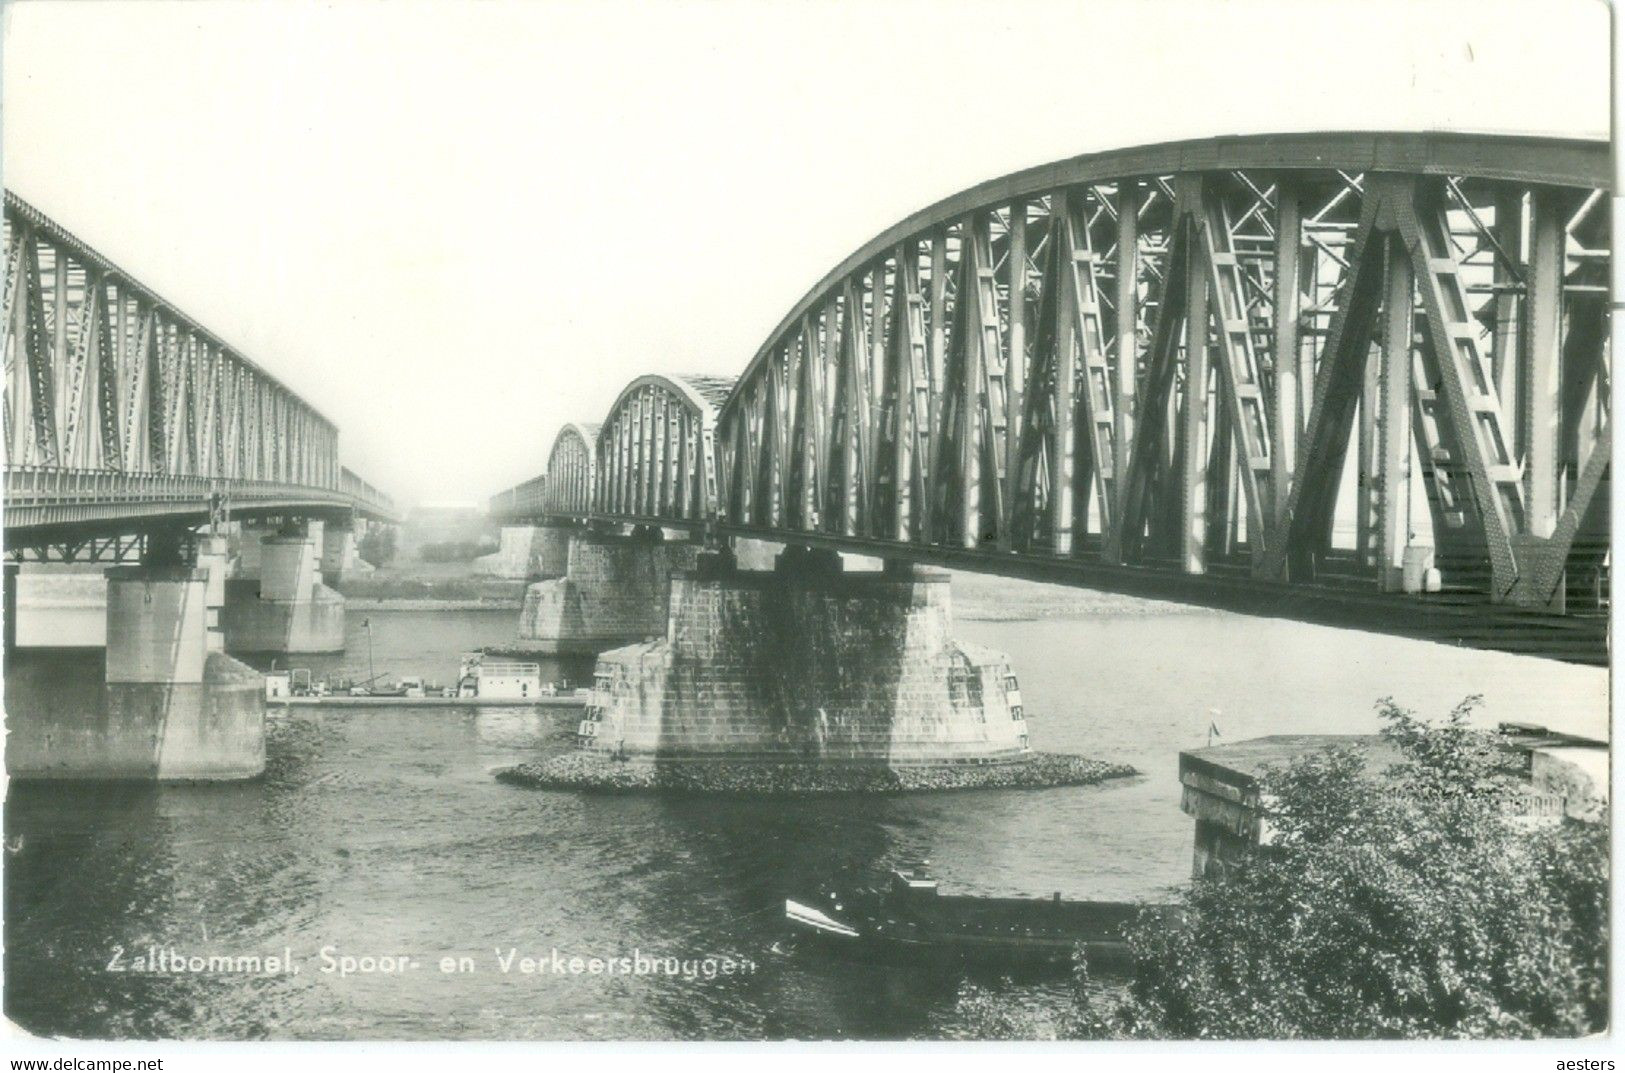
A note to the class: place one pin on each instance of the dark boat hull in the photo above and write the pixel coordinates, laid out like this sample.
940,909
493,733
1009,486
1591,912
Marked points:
992,933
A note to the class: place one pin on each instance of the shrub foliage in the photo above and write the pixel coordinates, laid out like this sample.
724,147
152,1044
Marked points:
1397,903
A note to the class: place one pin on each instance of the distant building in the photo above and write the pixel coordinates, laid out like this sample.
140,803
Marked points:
481,676
277,684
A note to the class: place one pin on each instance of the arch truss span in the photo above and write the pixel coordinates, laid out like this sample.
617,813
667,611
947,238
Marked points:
1291,359
570,467
656,452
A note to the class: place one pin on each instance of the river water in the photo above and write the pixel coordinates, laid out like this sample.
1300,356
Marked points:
382,832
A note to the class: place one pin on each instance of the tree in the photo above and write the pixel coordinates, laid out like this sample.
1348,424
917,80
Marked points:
1398,904
377,546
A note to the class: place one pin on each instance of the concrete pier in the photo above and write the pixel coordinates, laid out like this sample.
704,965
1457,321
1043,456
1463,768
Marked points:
277,602
8,606
614,591
337,553
168,706
246,539
807,663
1222,786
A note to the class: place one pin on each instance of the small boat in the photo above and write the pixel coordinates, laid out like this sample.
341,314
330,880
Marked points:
909,920
481,682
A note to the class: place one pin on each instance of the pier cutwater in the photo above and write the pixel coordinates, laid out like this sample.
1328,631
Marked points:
568,586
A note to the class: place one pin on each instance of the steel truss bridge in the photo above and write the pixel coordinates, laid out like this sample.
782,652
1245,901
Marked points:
1260,373
124,417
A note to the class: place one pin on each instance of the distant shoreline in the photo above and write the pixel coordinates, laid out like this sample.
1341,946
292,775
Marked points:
430,603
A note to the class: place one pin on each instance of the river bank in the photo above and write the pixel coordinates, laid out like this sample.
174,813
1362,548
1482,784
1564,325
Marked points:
977,597
432,587
432,603
590,772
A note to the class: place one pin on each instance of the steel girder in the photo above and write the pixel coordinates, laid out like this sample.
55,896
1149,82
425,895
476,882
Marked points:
1158,358
655,457
105,376
570,477
1274,361
523,502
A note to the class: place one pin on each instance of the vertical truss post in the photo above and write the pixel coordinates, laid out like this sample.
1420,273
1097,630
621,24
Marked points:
1540,393
932,522
1288,298
1366,491
872,521
1086,334
912,373
775,433
1194,424
962,410
798,497
1308,350
987,365
1504,349
829,509
1221,485
1126,344
1064,361
1015,366
851,416
1393,498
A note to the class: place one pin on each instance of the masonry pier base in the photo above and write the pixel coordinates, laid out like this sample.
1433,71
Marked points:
528,551
808,663
170,706
614,590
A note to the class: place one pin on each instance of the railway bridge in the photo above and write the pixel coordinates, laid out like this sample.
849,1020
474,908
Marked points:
1360,379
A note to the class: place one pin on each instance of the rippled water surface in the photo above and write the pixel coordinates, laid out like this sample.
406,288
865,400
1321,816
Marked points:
380,832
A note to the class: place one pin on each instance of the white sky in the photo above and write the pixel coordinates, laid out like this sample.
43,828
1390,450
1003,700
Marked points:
454,226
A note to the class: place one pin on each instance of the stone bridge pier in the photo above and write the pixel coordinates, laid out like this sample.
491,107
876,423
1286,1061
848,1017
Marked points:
808,662
527,552
613,590
169,705
276,600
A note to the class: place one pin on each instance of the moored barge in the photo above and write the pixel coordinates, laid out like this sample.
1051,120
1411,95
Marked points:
909,920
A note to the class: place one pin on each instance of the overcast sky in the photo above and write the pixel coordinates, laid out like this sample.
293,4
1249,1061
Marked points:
455,226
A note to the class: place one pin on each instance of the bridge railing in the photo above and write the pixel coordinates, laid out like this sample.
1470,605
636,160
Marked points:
367,496
45,486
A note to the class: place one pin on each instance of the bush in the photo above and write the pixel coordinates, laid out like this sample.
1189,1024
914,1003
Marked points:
1401,904
1397,904
378,546
455,551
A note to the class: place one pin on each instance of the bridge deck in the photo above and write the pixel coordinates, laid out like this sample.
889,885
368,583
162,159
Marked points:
1457,618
